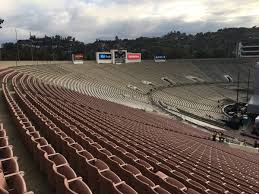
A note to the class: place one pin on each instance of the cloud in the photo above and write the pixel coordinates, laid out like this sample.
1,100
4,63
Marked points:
91,19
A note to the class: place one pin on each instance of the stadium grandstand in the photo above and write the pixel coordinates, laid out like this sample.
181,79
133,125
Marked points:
128,128
248,48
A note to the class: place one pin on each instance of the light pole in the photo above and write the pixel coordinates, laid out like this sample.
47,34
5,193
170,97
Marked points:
31,49
0,52
237,87
17,48
248,82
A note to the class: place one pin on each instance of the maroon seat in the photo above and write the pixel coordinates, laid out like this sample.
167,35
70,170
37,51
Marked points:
131,169
122,150
44,151
94,167
215,187
179,176
141,153
40,141
85,142
196,186
3,183
77,187
78,136
176,183
191,191
212,192
34,134
6,152
130,157
35,144
2,133
53,160
4,141
53,131
112,144
145,180
25,124
198,178
62,174
124,188
9,165
15,183
108,180
97,146
29,136
106,152
72,148
64,142
81,164
29,128
160,190
86,155
232,189
145,164
117,160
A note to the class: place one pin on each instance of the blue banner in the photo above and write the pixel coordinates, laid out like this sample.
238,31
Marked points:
105,56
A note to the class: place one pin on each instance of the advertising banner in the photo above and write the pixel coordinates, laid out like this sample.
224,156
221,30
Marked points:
118,57
160,58
103,57
133,57
78,58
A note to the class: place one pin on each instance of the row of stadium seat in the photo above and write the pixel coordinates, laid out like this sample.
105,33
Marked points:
228,186
96,173
127,171
11,178
60,175
110,83
90,85
150,154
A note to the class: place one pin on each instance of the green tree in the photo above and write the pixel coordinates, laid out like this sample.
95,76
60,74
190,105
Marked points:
1,21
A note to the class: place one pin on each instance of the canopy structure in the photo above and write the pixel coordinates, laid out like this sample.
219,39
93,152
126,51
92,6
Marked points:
253,104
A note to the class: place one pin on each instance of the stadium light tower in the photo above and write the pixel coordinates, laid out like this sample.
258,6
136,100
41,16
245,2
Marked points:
1,21
31,48
1,52
237,87
248,83
17,48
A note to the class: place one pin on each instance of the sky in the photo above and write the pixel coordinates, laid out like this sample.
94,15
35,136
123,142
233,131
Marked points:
88,20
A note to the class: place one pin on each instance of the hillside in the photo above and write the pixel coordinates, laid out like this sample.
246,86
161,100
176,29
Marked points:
174,44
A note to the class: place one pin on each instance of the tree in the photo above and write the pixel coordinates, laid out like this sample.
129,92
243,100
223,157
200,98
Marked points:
1,21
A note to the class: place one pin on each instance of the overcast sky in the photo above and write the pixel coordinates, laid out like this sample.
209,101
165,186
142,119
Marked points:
88,20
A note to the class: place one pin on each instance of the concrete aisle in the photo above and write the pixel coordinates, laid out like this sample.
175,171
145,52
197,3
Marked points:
34,179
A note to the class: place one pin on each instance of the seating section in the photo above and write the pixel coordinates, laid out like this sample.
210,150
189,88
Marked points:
84,144
60,175
11,178
196,86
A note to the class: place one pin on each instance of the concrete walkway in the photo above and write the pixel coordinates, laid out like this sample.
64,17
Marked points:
34,179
